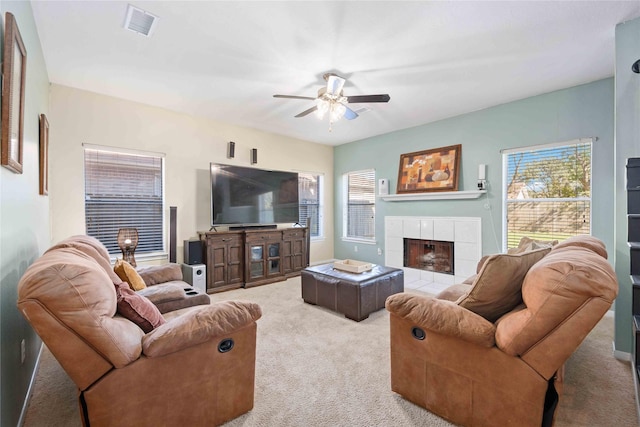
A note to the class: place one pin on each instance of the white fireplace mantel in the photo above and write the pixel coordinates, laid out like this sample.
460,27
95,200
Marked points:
439,195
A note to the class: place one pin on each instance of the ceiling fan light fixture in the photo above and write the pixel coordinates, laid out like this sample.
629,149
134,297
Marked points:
323,107
337,111
331,100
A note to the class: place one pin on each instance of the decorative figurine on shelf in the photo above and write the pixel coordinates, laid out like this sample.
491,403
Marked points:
128,242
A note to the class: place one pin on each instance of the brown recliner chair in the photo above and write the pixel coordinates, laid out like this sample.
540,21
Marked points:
476,372
197,369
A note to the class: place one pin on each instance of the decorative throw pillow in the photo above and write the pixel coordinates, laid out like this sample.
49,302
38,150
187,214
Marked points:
527,244
127,273
497,288
137,308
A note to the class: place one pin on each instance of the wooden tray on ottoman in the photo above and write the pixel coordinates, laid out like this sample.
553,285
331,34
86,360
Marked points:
352,266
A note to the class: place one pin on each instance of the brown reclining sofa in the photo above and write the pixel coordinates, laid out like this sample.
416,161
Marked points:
196,367
490,352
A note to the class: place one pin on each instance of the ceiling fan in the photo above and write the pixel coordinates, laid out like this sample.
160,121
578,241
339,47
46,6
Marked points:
331,100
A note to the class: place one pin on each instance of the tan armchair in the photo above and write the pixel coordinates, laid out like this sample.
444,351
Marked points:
508,372
195,369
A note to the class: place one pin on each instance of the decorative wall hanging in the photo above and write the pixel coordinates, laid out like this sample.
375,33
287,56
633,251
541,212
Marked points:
14,70
44,155
429,170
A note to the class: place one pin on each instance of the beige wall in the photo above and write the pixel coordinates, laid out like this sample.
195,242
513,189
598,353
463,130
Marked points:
189,143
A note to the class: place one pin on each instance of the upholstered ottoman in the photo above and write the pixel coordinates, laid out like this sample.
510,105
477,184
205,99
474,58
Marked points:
356,295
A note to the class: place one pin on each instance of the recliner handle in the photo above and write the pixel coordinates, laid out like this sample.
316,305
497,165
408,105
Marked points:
418,333
225,345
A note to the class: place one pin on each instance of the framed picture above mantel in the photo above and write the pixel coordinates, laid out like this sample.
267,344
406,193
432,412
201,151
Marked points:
429,170
14,71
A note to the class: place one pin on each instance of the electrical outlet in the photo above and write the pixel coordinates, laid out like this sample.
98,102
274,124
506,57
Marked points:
23,351
379,251
355,248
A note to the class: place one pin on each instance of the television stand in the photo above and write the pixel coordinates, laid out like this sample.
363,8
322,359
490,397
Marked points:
251,257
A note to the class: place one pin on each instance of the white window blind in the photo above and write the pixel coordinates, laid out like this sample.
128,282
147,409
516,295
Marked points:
124,190
309,189
548,191
361,207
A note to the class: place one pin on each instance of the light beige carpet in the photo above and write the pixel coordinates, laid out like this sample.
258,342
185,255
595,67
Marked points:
317,368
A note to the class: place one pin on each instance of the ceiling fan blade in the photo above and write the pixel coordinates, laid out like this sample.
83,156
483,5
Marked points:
309,111
349,114
334,84
368,98
293,97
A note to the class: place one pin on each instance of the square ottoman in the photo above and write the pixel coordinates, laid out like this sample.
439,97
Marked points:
356,295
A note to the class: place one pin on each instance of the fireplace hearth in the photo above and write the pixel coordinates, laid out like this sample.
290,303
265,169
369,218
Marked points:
429,255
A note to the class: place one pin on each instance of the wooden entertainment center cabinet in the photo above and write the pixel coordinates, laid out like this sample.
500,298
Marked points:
252,257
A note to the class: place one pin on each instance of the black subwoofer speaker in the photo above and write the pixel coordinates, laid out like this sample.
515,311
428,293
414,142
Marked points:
173,225
193,252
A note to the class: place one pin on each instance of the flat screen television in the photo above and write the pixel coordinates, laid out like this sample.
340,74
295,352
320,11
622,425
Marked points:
247,196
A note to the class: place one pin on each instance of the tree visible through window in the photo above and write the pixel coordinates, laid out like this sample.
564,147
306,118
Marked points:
124,190
548,191
360,219
309,189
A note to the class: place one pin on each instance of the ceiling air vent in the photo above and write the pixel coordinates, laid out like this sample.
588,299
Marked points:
139,21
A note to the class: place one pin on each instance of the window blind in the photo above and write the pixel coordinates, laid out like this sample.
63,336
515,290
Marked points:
361,208
309,187
124,190
548,192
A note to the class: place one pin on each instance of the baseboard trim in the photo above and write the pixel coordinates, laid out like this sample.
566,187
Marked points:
620,355
27,398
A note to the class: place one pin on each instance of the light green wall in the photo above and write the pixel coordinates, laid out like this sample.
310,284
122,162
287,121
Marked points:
582,111
24,226
627,130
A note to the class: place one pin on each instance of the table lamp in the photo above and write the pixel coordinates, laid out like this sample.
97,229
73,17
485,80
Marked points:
128,242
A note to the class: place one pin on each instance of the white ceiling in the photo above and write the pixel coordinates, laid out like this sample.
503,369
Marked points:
226,60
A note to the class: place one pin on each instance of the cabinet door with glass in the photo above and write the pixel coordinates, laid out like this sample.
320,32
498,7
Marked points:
263,254
256,261
273,264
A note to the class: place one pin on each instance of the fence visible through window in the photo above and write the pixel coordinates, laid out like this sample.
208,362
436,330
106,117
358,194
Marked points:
547,220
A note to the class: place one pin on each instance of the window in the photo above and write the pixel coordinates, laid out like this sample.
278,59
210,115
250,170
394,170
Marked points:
360,216
310,188
124,189
548,191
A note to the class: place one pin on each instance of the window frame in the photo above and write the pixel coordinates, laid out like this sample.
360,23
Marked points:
140,254
345,216
320,205
505,176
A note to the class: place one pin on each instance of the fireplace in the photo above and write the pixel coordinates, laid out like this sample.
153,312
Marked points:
463,234
429,255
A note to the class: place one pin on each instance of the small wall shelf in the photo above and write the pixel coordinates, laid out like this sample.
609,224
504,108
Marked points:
438,195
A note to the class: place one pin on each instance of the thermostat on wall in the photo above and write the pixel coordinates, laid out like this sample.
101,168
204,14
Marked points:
383,187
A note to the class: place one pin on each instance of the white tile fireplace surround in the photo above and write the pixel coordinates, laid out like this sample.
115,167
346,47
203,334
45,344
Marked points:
464,232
